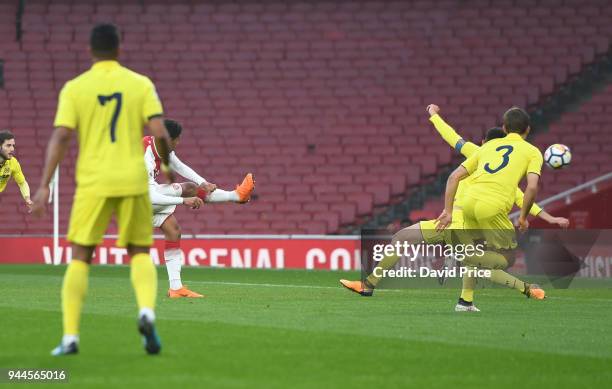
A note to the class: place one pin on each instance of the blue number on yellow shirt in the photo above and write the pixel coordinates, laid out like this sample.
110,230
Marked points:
506,159
103,100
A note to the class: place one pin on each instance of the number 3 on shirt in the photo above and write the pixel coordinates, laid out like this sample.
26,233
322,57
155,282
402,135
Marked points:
505,160
103,99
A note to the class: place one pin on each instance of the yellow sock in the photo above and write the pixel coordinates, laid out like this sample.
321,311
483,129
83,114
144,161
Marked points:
503,278
144,280
74,289
467,291
489,260
386,263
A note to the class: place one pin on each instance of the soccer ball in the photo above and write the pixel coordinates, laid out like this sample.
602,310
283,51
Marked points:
557,156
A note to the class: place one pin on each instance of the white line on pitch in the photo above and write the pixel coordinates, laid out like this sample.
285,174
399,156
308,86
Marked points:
279,285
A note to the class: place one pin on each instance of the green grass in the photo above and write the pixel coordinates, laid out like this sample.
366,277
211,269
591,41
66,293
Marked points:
298,329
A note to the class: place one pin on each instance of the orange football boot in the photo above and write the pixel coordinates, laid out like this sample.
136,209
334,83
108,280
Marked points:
357,287
183,292
535,292
245,189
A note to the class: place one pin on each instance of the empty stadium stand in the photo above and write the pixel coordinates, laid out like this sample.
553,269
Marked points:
323,101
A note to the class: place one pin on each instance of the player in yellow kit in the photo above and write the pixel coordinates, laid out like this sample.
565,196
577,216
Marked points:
496,170
425,231
108,106
10,167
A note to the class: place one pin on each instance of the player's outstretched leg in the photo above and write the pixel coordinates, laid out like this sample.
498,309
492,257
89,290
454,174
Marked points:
74,289
495,262
172,257
412,235
241,195
144,281
530,290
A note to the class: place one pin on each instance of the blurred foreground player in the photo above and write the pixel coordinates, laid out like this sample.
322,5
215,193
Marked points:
10,167
165,198
108,106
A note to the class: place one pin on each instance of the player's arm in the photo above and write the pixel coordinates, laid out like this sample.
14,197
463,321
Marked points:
56,150
531,192
185,171
20,180
560,221
178,166
162,143
160,199
534,169
518,200
465,169
445,218
449,135
537,211
66,121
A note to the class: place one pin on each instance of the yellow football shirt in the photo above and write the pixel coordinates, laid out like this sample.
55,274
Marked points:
467,149
11,168
109,105
498,167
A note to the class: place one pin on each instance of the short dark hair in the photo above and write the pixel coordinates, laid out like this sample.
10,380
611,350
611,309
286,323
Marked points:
104,41
174,128
494,133
516,120
5,135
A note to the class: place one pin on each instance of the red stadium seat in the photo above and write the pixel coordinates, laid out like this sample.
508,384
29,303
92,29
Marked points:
332,123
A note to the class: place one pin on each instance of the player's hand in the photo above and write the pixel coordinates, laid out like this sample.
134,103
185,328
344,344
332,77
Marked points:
444,220
193,202
433,109
208,187
523,224
28,204
39,204
561,222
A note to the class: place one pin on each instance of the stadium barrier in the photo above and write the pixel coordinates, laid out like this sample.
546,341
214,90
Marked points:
309,252
235,251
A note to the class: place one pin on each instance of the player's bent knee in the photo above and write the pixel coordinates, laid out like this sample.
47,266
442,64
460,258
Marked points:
411,234
134,250
82,253
190,189
510,256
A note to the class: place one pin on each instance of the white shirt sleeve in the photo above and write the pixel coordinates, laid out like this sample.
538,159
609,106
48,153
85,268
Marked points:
150,164
185,171
160,199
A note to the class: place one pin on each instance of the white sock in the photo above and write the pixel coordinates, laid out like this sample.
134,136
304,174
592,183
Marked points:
173,266
148,313
222,196
67,339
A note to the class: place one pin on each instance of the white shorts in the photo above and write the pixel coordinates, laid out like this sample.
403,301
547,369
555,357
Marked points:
162,212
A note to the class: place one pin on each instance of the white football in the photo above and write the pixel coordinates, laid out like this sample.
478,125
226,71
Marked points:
557,156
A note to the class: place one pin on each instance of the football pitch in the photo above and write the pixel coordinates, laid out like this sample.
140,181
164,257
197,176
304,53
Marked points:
300,329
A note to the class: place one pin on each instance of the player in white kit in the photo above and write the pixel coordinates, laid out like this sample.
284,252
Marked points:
195,192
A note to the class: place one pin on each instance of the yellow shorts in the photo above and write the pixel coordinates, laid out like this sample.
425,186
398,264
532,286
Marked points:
430,235
91,215
491,223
